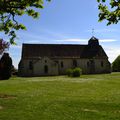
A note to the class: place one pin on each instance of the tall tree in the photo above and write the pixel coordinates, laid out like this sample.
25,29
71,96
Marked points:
10,9
109,11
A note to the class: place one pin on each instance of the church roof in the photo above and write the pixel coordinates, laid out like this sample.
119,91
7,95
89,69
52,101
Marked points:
62,51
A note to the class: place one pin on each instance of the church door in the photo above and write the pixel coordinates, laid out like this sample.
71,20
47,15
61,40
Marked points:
45,69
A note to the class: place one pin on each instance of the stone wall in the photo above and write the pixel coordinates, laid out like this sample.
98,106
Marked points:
45,66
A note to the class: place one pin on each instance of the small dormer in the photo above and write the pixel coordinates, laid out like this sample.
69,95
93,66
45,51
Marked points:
93,41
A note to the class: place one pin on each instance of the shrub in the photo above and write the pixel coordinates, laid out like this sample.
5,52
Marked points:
116,65
76,72
69,72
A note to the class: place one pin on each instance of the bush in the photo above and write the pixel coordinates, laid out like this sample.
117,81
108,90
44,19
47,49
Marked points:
69,72
116,65
76,72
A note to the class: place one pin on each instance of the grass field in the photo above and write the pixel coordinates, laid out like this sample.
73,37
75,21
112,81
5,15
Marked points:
90,97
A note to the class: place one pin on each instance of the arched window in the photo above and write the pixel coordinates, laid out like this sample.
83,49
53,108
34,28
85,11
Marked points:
75,63
62,65
30,65
45,69
102,64
88,64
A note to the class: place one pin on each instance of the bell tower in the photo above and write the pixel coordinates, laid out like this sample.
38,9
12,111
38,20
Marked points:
93,41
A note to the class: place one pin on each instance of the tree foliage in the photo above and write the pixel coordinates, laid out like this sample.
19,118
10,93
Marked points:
5,67
116,65
10,9
3,46
110,12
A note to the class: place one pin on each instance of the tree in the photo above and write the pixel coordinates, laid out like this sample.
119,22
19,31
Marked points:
110,12
5,60
5,67
3,46
116,65
10,9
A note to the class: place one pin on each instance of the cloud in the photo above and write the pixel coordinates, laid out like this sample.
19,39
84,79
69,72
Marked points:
85,40
73,40
39,36
108,40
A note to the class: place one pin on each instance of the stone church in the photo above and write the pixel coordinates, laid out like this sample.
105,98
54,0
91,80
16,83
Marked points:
55,59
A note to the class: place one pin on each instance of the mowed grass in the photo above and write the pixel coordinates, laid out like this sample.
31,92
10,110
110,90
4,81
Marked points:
90,97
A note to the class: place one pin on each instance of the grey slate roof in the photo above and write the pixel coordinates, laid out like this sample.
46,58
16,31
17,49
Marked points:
63,51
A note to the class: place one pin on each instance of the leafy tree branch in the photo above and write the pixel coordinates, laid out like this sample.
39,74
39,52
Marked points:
9,9
110,13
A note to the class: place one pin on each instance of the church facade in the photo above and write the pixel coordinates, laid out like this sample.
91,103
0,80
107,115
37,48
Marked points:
55,59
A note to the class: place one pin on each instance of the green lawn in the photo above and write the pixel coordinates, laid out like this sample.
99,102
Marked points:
90,97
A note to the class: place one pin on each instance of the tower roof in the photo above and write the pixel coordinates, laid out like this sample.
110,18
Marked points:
93,38
93,41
